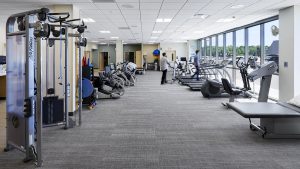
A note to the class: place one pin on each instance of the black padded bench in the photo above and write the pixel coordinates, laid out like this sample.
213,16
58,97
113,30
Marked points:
264,110
277,120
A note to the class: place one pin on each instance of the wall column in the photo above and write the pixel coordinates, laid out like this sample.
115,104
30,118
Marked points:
289,53
119,51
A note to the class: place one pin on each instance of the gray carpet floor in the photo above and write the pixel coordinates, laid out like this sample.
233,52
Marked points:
161,126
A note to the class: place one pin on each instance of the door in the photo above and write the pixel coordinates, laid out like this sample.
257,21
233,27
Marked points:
103,60
171,55
138,59
129,56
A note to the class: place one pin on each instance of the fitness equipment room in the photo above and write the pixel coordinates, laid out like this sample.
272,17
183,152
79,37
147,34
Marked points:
81,84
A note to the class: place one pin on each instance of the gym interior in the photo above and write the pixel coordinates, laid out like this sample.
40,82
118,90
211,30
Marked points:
150,84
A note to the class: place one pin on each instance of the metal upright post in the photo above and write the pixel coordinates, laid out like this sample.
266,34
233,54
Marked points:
80,83
47,67
67,85
53,56
29,87
39,104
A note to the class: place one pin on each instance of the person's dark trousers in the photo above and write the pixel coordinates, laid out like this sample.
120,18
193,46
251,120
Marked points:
197,72
164,77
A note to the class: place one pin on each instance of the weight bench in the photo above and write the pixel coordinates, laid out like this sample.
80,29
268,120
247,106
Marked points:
277,120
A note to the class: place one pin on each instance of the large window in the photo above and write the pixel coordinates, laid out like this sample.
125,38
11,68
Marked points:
271,41
272,53
257,41
220,47
207,48
213,47
240,43
202,48
254,43
240,55
229,47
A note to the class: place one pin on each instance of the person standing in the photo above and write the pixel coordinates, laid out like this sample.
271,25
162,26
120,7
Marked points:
196,64
164,63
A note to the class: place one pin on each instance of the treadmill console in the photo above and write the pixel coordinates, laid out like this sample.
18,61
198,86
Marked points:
266,69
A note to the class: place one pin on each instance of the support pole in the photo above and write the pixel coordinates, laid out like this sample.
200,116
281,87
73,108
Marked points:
80,83
67,85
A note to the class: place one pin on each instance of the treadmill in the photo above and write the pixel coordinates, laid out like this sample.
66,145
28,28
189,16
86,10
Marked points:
196,85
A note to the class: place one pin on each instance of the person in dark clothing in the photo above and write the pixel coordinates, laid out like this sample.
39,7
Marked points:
164,64
196,64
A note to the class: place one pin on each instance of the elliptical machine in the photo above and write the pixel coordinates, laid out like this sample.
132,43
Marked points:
214,88
108,85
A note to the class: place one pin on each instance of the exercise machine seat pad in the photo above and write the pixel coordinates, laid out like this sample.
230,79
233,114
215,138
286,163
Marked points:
263,110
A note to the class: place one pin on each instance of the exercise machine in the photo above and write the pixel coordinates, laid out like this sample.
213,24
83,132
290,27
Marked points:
280,120
24,97
215,88
25,78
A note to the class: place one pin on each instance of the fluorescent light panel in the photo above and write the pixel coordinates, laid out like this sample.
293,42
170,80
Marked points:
156,31
202,16
154,37
237,6
163,19
104,31
225,20
88,20
114,37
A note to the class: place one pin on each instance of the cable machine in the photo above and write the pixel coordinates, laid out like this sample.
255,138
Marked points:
24,76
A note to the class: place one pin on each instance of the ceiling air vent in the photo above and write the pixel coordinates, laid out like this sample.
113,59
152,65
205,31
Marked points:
103,1
124,28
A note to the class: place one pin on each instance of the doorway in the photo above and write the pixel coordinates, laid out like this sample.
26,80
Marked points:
129,56
171,55
103,60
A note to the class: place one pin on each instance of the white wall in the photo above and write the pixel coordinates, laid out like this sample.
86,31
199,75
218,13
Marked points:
289,52
181,48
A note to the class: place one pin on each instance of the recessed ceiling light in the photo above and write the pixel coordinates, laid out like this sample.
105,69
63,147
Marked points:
114,37
94,41
156,31
163,20
124,43
151,41
199,32
181,41
103,43
154,37
226,19
202,16
237,6
103,31
88,20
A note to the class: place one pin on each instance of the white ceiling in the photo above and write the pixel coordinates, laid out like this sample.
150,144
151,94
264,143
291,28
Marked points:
140,16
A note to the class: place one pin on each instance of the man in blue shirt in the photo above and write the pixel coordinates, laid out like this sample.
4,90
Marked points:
196,64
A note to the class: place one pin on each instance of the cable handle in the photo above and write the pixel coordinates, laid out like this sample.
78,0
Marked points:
62,17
